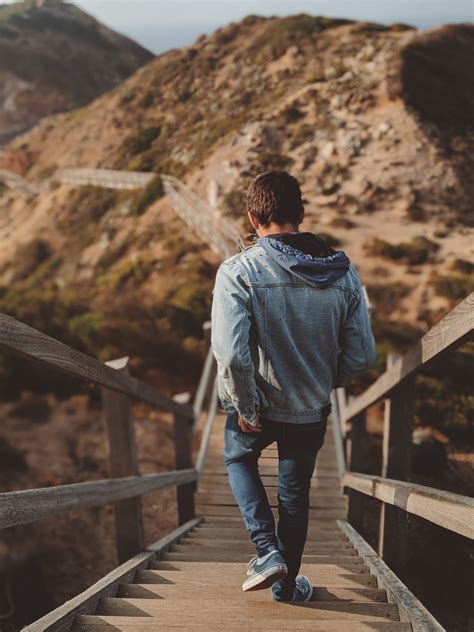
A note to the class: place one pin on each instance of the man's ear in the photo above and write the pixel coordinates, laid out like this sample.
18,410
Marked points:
252,220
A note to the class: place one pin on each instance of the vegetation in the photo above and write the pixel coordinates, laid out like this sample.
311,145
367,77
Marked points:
152,192
235,203
419,250
142,140
32,407
455,288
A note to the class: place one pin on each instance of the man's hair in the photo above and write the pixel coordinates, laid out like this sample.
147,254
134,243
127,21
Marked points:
275,196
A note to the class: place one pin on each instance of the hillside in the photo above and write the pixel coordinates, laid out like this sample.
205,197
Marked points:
339,104
55,58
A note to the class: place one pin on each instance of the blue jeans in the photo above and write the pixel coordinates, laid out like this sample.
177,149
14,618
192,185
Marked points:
298,446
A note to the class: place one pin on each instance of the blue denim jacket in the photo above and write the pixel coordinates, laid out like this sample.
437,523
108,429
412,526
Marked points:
288,326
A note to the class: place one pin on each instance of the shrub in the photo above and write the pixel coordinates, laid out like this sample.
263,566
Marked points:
453,287
32,407
142,140
235,202
419,250
291,115
303,134
30,257
342,222
464,266
152,192
272,160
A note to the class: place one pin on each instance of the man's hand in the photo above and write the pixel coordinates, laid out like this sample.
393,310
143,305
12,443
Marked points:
246,427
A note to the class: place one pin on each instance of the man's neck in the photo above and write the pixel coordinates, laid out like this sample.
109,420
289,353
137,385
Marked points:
273,229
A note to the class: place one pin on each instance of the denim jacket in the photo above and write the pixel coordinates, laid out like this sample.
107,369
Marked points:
288,326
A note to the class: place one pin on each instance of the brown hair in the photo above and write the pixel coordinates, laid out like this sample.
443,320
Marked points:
275,196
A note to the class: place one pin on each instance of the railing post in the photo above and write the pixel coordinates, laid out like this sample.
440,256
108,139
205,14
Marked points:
123,461
183,439
357,461
210,384
396,463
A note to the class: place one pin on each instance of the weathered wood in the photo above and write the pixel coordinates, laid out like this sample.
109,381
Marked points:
33,504
61,619
206,435
167,591
448,510
338,435
34,345
148,624
201,611
123,462
396,464
451,332
355,509
183,437
410,609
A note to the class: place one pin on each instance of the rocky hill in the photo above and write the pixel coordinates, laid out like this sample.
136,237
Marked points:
385,172
54,57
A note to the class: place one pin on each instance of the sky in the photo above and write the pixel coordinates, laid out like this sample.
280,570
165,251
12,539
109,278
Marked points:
162,24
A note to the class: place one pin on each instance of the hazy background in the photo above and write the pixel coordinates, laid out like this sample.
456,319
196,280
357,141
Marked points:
162,24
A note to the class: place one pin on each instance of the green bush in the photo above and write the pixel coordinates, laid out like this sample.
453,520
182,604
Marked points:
32,407
235,202
419,250
152,192
142,140
453,287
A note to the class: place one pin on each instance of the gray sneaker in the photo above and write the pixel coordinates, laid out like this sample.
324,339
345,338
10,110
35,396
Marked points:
303,589
264,574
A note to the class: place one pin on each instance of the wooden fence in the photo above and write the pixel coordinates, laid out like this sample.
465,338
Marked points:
126,485
400,497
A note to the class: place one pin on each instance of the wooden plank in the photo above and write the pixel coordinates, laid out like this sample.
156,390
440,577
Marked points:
148,624
204,611
225,510
355,511
349,564
410,609
336,547
167,591
34,345
316,500
123,462
451,332
61,619
338,434
396,464
183,438
448,510
206,435
235,569
322,577
203,386
33,504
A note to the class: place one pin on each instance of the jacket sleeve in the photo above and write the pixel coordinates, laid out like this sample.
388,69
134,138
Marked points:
356,341
231,319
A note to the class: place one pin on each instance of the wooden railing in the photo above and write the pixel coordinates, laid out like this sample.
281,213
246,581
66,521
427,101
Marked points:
397,387
126,485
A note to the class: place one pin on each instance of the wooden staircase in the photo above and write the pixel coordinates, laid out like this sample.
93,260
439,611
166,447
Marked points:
197,583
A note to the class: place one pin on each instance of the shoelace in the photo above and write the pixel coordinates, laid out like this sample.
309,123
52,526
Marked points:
251,564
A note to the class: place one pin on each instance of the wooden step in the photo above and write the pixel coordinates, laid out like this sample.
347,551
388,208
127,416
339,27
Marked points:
196,554
220,531
226,510
202,610
166,591
319,575
91,623
315,522
244,544
268,480
322,501
234,569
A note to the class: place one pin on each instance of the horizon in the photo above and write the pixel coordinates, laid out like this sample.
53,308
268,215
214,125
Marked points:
158,25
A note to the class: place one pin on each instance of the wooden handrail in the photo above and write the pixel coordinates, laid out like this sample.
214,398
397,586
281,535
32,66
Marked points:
30,505
203,383
448,510
34,345
451,332
206,435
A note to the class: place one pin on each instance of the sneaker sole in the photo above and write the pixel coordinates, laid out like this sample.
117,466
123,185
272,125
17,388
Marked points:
266,579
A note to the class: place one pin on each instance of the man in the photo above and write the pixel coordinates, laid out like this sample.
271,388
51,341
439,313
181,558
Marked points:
289,324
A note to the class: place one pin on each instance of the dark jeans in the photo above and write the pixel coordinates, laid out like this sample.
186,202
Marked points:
298,446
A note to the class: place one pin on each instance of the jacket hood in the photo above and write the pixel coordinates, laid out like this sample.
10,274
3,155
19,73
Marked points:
307,256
